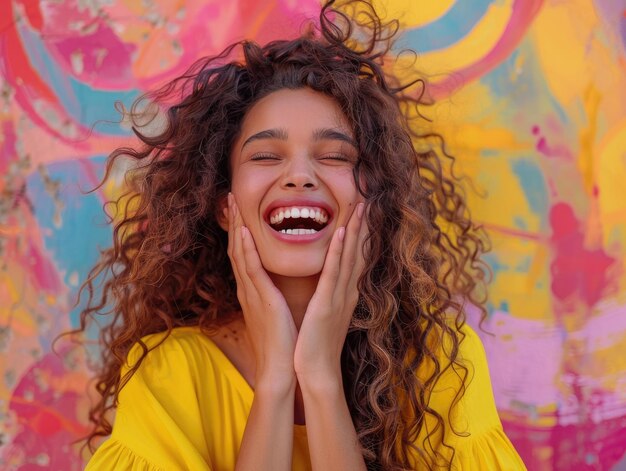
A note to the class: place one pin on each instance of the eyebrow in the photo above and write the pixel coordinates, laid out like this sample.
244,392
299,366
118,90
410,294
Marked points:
318,135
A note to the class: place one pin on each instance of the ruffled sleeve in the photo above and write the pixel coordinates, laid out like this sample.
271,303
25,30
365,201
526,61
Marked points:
473,437
113,454
491,450
158,423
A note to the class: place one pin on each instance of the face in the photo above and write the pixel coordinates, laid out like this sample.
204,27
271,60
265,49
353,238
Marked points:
292,178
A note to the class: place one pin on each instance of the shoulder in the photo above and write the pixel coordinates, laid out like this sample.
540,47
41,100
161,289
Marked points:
171,354
463,391
463,397
176,340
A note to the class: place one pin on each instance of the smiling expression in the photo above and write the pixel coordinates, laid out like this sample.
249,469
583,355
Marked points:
292,178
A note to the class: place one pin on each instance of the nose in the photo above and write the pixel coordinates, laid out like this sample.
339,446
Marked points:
299,175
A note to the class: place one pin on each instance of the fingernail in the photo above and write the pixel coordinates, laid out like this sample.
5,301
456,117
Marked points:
360,209
230,199
342,233
244,231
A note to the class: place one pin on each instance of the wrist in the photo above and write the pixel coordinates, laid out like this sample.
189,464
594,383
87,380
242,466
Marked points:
277,386
325,384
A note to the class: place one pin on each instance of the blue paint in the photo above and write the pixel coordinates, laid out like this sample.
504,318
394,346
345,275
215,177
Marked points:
451,28
74,245
486,152
502,79
504,307
86,105
494,263
519,222
524,265
97,107
521,85
531,179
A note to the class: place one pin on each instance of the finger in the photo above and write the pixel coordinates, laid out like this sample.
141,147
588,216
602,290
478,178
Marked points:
349,255
238,254
231,234
361,252
331,269
254,268
251,271
231,224
235,251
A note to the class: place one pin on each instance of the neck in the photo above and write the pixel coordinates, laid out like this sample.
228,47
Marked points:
297,292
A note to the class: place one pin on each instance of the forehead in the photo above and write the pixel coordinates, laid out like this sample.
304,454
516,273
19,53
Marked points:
300,112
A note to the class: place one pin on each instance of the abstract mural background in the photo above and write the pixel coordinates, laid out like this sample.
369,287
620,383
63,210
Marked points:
531,98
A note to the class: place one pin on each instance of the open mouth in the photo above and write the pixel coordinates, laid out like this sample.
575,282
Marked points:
300,220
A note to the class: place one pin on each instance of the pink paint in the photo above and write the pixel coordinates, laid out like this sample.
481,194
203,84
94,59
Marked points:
33,13
197,39
553,151
105,59
49,418
578,273
14,61
16,68
30,254
542,146
206,34
526,235
525,360
585,447
522,14
8,152
595,191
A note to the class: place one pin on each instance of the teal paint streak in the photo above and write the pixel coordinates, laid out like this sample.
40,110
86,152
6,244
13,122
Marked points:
532,182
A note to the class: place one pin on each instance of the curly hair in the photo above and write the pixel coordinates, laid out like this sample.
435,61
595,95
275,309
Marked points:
168,265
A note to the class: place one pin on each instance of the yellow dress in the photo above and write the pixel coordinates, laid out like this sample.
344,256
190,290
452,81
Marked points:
186,409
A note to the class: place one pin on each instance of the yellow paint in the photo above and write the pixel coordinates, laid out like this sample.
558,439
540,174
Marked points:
465,52
591,101
610,164
537,271
412,14
560,33
10,292
608,365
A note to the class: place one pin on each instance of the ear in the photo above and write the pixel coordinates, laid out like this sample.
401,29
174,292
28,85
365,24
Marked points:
222,212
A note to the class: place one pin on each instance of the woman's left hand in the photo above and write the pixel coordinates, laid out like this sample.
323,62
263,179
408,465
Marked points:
317,358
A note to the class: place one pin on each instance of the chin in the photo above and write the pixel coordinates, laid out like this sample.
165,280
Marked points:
298,269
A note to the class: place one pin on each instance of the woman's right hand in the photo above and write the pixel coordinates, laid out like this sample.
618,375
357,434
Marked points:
269,323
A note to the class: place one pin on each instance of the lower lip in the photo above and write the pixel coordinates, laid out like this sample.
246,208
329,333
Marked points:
299,238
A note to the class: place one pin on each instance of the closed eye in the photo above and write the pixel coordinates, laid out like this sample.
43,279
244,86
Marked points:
259,157
339,157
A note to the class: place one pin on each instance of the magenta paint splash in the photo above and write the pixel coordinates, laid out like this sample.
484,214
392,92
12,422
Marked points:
578,272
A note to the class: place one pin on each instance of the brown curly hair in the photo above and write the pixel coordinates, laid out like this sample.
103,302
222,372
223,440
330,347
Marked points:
169,267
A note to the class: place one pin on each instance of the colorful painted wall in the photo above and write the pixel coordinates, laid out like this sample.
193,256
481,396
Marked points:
532,99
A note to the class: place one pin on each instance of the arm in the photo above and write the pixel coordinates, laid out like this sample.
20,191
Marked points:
268,439
267,443
333,442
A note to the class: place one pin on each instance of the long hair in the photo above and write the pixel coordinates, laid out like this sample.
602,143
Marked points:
168,265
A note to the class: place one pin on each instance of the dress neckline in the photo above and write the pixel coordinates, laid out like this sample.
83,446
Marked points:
233,374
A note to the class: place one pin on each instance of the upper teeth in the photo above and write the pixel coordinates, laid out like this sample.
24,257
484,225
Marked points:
317,214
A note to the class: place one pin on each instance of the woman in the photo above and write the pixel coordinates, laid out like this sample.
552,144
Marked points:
288,275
